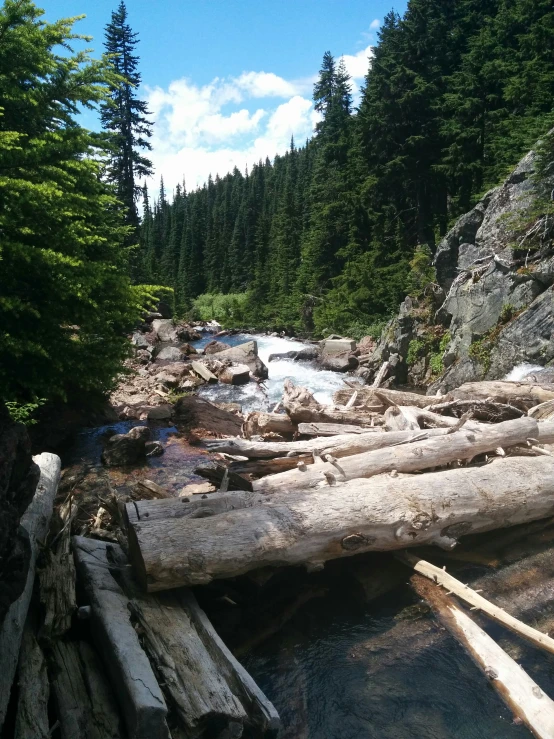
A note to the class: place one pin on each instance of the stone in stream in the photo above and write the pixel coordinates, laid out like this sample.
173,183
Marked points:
246,353
237,375
126,449
154,448
214,347
169,353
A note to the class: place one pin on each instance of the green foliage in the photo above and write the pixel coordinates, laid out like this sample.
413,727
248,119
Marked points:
65,300
23,413
359,329
226,309
480,351
416,350
422,273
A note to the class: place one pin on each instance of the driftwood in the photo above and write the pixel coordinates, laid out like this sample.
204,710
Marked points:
35,521
85,701
211,692
542,411
200,506
264,467
202,371
148,489
477,602
400,418
520,693
34,690
140,696
412,457
302,407
218,474
334,429
520,394
381,514
260,424
381,374
481,410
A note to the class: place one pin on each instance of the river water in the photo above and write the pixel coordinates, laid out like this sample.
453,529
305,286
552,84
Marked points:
360,659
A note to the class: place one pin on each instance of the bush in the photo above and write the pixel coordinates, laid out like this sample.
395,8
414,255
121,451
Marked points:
422,273
229,310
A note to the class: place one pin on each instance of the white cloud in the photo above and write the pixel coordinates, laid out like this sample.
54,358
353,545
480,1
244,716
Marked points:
375,24
232,122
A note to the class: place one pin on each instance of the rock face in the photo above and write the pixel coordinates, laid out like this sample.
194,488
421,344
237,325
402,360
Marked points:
19,476
497,310
126,449
247,354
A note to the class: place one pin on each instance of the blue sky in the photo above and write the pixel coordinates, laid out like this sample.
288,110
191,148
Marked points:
229,81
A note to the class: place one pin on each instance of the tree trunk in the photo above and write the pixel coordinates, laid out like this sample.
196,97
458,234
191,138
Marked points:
260,424
334,429
520,394
302,407
36,522
412,457
34,690
381,514
518,691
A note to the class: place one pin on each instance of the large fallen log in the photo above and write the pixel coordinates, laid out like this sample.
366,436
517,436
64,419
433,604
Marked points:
520,394
116,640
385,397
481,410
334,429
520,693
381,514
342,445
302,407
199,506
258,423
35,521
34,690
411,457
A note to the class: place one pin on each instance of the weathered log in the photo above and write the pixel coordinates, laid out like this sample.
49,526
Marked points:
34,690
260,424
542,411
342,445
210,691
398,418
334,429
216,475
200,506
477,602
411,457
381,374
202,371
481,410
520,394
35,521
302,407
85,701
381,514
264,467
518,691
131,674
148,490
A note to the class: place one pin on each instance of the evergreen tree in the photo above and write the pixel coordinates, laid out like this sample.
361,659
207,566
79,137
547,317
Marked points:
125,117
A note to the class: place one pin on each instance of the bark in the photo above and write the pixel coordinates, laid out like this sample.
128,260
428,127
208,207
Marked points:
520,394
260,424
36,522
115,638
518,691
412,457
85,701
477,602
34,690
381,514
210,691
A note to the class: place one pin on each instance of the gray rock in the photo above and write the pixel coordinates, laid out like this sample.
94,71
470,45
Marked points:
169,353
154,448
126,449
236,375
139,340
167,379
143,356
164,328
214,347
339,362
246,353
156,413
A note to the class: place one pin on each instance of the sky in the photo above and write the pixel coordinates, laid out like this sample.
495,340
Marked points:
229,81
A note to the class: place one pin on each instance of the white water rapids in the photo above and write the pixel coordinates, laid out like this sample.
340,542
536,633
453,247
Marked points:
322,383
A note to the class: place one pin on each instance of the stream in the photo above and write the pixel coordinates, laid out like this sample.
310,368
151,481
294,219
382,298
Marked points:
361,659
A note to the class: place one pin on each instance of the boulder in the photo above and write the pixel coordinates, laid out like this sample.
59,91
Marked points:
339,362
143,356
214,347
246,353
193,412
164,328
139,340
236,375
337,346
126,449
155,412
169,353
167,379
307,354
187,349
153,448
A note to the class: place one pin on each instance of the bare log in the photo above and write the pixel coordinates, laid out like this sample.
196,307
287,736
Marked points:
518,691
260,424
86,705
264,467
441,577
35,521
148,489
139,693
520,394
481,410
380,376
542,411
202,371
381,514
34,690
334,429
412,457
302,407
197,507
217,474
210,690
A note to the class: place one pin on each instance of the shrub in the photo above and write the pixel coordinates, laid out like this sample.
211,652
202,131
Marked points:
229,310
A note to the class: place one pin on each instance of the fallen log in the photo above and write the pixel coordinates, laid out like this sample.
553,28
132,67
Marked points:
34,690
334,429
116,640
400,418
411,457
35,521
264,467
202,371
260,424
85,701
380,376
477,602
381,514
211,692
148,489
520,394
216,475
518,691
302,407
201,506
342,445
481,410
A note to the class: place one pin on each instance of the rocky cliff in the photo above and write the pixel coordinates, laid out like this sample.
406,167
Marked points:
491,307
